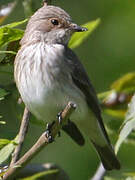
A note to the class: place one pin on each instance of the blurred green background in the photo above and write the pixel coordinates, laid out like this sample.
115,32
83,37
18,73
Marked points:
107,54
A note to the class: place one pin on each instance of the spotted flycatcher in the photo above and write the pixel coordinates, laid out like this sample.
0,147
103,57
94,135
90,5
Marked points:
48,75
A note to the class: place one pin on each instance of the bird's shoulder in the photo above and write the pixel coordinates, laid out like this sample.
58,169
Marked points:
81,79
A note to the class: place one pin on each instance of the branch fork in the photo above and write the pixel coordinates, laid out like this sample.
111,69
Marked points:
42,142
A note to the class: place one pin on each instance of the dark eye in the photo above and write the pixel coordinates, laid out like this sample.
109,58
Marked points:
55,22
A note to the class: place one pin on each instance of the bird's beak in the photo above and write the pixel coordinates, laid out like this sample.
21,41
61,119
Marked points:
77,28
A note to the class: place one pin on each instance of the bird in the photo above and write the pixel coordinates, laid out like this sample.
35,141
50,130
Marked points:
48,75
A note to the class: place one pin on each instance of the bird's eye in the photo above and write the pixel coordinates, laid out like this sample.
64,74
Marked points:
55,22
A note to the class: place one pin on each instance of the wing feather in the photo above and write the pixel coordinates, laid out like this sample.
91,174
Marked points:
80,78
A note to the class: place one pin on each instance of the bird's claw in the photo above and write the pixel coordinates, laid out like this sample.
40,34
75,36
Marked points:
49,127
49,136
59,116
48,132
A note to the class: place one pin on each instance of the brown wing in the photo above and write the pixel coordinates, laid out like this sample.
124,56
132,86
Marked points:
80,78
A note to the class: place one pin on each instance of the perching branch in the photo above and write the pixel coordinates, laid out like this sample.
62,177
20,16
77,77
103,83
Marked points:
21,136
42,142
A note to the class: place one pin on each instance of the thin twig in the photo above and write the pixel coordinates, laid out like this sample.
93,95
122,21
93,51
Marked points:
42,142
21,136
99,174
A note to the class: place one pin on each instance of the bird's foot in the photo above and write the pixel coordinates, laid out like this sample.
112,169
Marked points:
48,132
59,117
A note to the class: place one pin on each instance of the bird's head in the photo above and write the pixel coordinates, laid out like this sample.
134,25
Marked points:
52,25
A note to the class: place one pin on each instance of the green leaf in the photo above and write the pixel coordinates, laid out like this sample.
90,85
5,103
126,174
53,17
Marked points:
103,95
3,93
131,175
7,150
109,178
128,125
8,52
8,35
41,174
4,142
3,170
118,113
114,177
78,38
125,84
2,122
130,178
14,24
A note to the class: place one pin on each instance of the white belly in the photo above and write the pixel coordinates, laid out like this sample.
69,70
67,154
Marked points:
47,93
47,103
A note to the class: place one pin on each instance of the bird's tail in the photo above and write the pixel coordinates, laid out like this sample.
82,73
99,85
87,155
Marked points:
107,156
